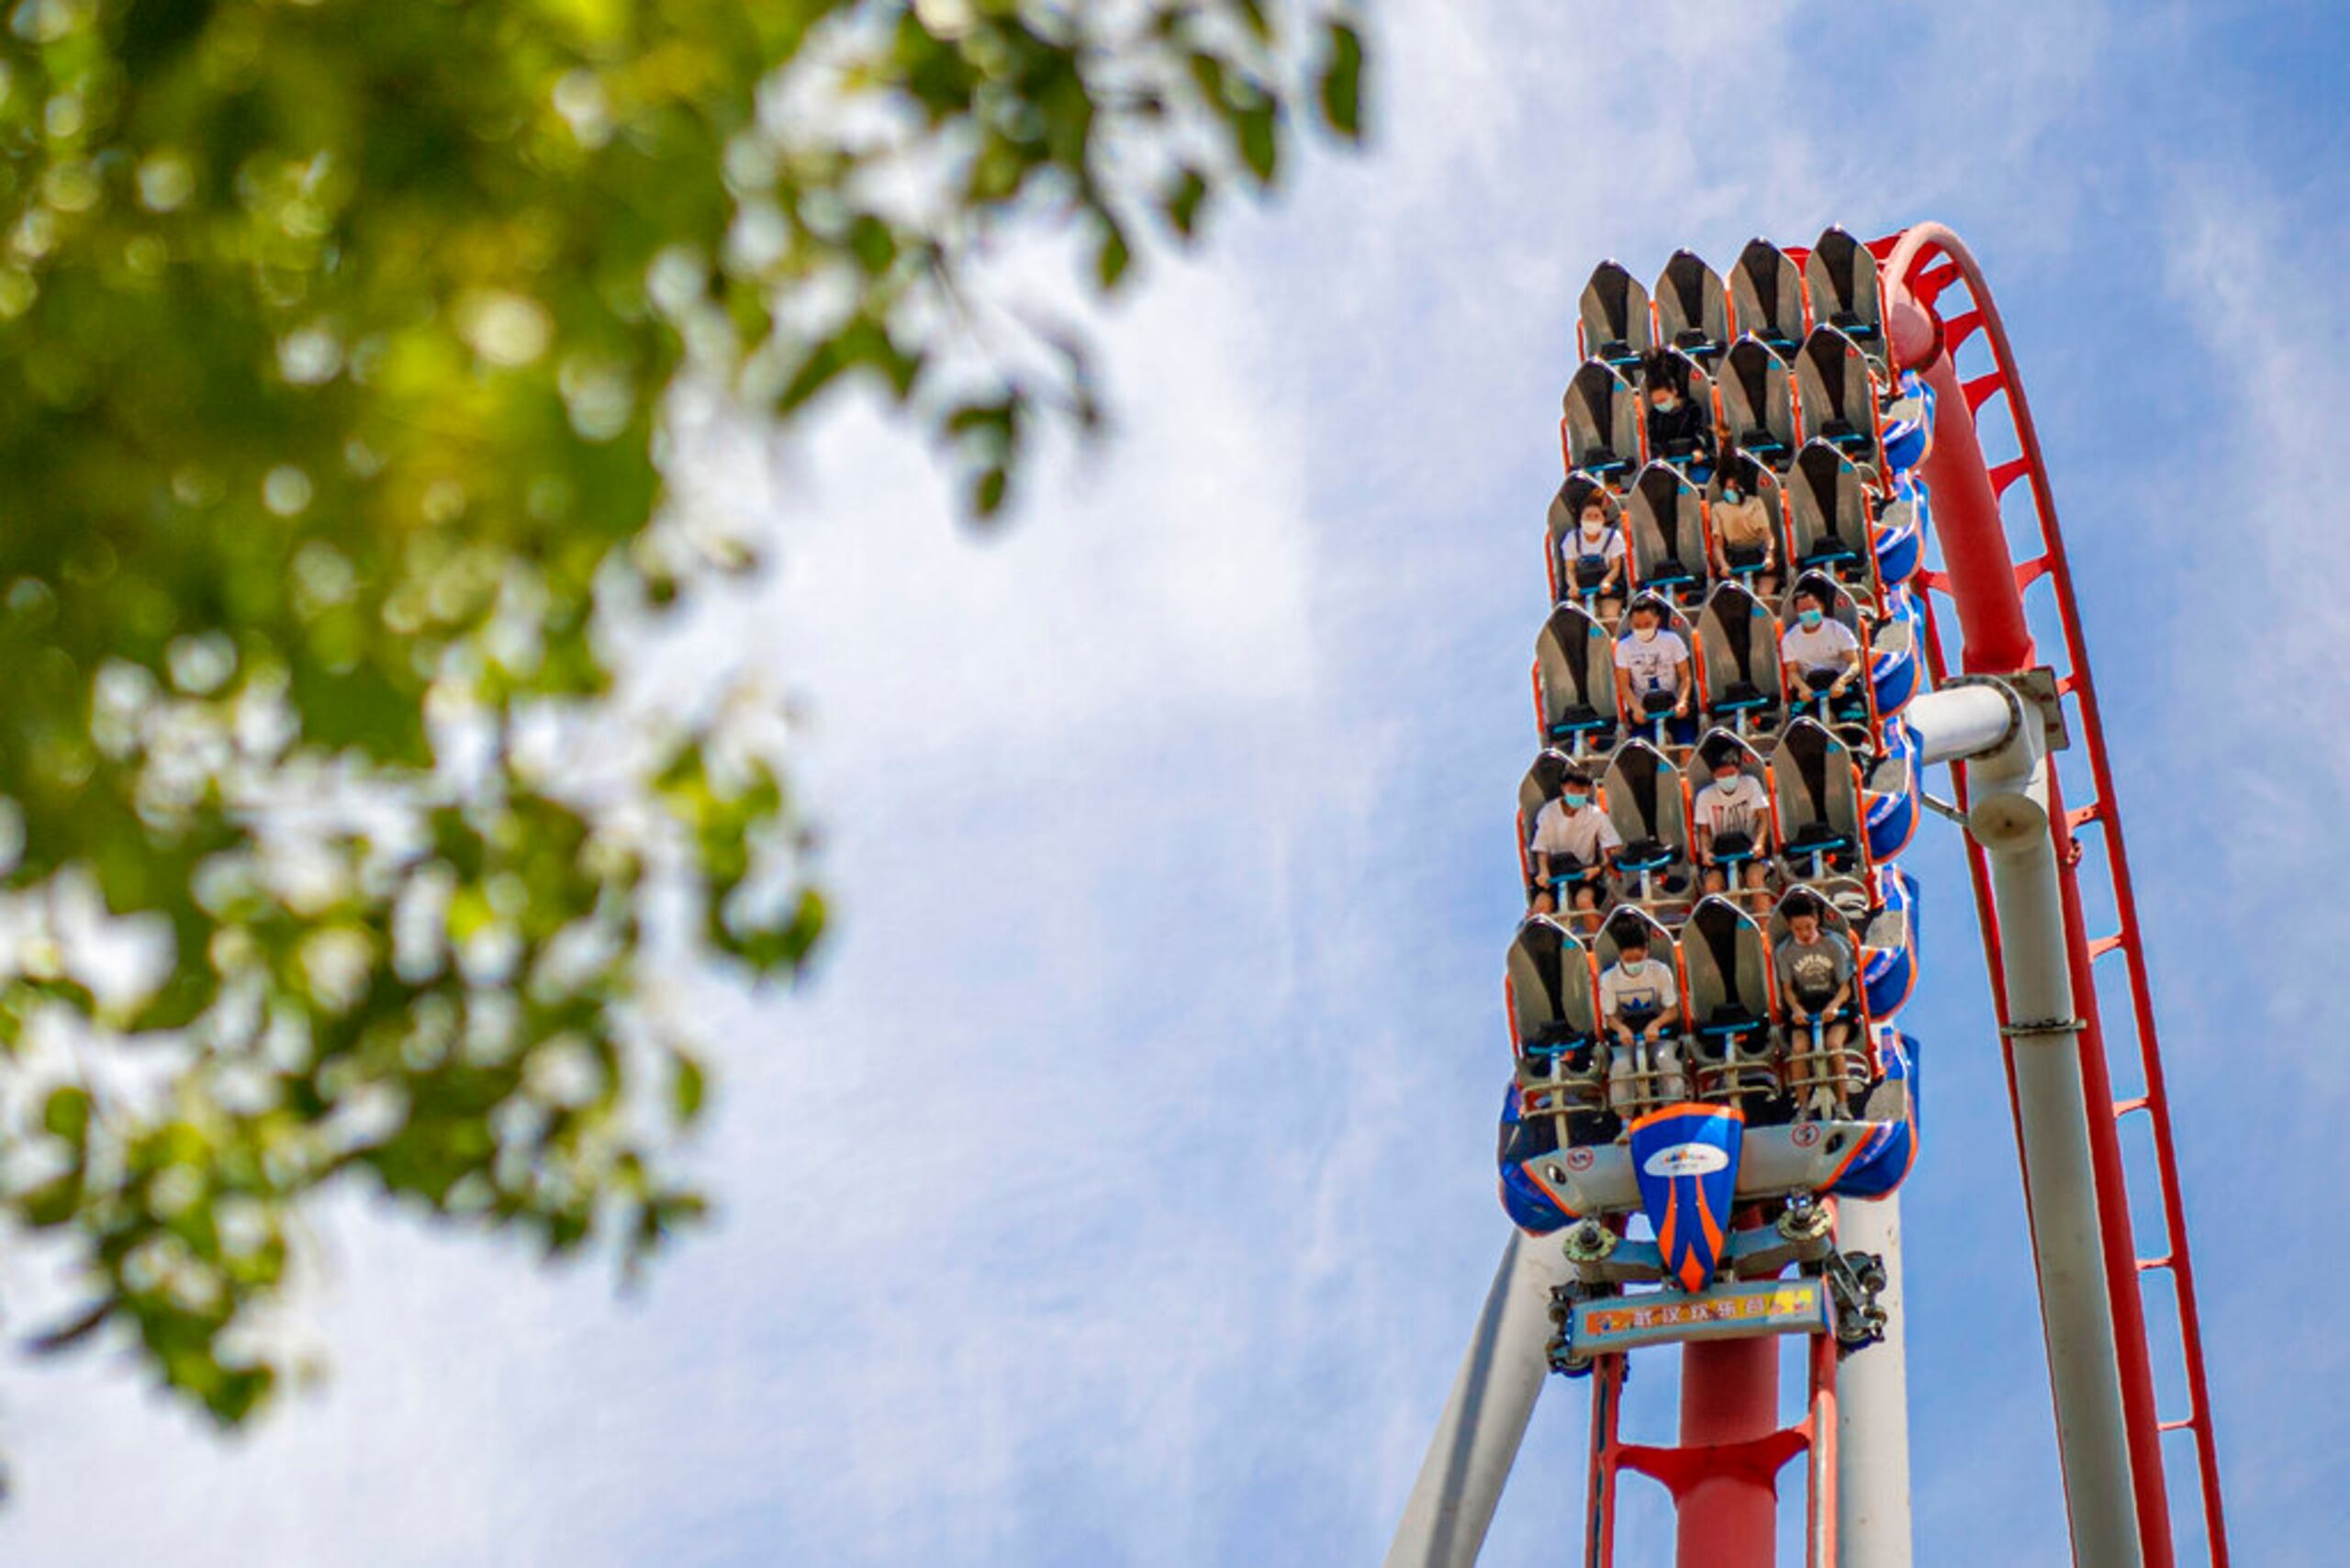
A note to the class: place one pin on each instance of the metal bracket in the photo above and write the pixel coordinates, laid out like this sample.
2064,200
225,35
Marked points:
1854,1279
2038,687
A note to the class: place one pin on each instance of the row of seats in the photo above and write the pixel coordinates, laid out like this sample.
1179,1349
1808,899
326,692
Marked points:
1663,531
1752,400
1754,1014
1745,670
1629,832
1777,296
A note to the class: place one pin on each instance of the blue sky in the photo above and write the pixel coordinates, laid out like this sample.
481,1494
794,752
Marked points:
1121,1192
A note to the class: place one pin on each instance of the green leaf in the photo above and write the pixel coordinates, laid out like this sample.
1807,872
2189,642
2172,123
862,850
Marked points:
1110,260
1341,83
66,1114
1182,201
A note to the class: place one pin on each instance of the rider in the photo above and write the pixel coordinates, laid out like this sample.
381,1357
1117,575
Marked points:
1815,981
1651,664
1819,650
1681,431
1640,998
1744,537
1595,556
1730,814
1574,843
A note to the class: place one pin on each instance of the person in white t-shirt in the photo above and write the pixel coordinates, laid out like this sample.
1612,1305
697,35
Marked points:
1651,664
1730,815
1573,846
1594,556
1640,999
1822,654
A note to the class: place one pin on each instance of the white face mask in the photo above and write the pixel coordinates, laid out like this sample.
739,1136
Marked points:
1594,526
1645,633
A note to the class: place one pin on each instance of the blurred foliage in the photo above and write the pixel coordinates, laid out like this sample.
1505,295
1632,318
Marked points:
338,342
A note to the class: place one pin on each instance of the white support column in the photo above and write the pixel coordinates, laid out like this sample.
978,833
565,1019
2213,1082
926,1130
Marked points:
1476,1442
2007,814
1873,1405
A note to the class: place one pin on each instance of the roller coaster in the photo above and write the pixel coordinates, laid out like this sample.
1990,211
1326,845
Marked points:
1782,590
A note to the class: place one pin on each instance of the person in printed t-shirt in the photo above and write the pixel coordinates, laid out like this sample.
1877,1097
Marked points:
1640,998
1815,982
1819,650
1731,814
1574,843
1651,664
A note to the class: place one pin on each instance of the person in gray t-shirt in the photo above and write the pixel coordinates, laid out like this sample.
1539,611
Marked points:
1816,984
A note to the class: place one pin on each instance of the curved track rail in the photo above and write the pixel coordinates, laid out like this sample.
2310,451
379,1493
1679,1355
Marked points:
1986,586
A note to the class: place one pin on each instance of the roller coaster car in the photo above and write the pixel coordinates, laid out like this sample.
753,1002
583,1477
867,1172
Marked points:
1575,682
1846,293
1572,578
1603,431
1889,803
1909,423
1757,402
1904,517
1838,393
1692,309
1766,297
1726,964
1665,525
1828,519
1554,1030
1889,943
1611,320
1895,648
1738,654
1815,792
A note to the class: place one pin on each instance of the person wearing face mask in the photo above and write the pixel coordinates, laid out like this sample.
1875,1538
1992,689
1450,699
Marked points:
1820,652
1639,1001
1594,553
1651,666
1574,845
1745,543
1730,820
1681,432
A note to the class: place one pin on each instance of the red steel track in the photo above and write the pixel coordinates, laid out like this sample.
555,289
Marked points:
1986,586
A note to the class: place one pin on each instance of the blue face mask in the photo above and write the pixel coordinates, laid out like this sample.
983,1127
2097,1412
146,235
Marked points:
1810,619
1729,494
1575,803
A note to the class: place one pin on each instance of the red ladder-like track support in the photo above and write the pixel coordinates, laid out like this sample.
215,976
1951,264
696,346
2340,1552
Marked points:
1986,586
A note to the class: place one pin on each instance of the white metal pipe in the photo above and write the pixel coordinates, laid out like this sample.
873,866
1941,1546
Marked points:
1873,1406
1476,1441
2008,813
1965,716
